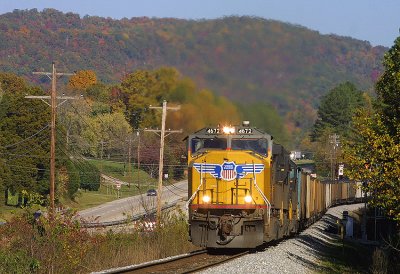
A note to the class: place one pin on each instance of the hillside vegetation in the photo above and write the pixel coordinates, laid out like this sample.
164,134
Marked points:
243,58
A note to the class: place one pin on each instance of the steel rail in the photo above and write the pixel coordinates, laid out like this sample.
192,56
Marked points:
157,265
150,264
196,269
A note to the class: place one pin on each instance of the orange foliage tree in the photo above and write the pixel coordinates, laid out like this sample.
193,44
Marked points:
82,80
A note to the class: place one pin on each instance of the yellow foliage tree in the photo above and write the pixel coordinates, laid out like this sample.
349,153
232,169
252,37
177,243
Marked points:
82,80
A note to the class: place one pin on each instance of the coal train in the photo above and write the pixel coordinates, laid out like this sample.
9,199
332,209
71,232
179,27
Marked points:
245,190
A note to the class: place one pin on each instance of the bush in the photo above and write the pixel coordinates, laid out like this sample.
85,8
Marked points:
43,245
17,262
61,245
89,175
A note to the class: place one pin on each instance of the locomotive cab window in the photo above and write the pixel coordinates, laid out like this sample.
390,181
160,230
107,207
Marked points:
198,144
259,146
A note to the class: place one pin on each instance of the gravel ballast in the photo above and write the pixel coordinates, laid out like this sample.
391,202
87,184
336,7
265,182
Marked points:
299,254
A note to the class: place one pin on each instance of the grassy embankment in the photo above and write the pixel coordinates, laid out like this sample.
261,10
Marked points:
353,255
347,257
138,182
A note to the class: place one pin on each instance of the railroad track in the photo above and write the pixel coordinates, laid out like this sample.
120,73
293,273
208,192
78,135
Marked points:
187,263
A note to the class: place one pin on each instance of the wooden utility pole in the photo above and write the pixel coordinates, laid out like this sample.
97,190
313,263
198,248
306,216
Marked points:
129,162
53,104
334,141
162,136
138,161
1,93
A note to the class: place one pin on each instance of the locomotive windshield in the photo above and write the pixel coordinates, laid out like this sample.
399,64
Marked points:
259,146
209,143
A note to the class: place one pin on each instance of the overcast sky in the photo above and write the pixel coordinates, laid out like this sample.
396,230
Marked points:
375,21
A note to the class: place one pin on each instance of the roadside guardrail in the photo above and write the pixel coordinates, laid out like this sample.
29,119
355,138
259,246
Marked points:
124,221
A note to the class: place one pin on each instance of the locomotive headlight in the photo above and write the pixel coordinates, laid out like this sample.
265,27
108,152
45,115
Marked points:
248,199
206,199
228,130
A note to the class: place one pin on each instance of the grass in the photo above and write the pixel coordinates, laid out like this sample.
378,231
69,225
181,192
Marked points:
7,212
121,172
347,256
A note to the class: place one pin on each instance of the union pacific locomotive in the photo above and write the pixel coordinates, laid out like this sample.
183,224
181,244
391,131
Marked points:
244,190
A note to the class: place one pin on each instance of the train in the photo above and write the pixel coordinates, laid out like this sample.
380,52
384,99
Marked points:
244,190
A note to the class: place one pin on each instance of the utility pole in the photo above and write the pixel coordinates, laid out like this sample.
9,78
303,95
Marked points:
129,162
138,161
102,149
53,104
162,136
1,93
334,141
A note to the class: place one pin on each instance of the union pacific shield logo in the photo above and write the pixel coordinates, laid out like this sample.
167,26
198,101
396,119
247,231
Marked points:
228,171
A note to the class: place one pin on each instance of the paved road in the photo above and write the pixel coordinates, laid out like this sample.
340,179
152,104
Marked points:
122,208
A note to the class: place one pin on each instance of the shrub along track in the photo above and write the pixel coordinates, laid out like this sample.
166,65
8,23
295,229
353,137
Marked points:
187,263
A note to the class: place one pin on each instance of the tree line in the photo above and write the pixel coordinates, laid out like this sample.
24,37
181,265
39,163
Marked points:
105,123
369,129
246,59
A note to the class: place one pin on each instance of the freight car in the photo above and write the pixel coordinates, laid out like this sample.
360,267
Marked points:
244,190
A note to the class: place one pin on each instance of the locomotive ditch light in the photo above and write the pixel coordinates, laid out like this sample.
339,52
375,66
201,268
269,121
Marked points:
206,199
228,130
248,199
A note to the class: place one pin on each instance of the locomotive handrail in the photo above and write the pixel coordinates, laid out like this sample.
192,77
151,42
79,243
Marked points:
197,190
261,193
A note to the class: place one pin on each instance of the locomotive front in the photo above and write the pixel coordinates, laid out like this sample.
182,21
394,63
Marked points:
229,175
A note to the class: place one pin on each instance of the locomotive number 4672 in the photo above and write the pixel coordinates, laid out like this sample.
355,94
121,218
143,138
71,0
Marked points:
212,130
245,130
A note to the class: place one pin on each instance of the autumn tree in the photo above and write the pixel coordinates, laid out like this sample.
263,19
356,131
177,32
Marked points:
373,154
82,80
143,88
199,108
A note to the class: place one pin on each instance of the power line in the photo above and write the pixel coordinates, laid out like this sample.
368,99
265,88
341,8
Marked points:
30,137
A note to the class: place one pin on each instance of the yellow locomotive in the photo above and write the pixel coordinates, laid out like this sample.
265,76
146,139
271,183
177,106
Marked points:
244,190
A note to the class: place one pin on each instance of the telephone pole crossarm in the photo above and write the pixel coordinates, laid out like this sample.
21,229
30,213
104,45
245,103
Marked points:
48,97
51,73
44,98
168,108
169,132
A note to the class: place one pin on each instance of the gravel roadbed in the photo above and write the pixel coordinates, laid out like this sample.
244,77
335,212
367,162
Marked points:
299,254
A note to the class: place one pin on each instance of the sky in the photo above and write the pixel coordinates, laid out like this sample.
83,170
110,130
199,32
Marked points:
376,21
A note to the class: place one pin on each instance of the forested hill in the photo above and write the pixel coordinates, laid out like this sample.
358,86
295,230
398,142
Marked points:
244,58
